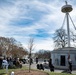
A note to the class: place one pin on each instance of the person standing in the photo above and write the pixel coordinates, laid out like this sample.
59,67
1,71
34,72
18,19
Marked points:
51,65
70,65
1,59
36,60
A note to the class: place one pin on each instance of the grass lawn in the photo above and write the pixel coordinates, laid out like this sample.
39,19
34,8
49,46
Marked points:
3,72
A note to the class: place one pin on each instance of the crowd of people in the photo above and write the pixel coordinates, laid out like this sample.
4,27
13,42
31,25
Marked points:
41,67
17,63
10,62
51,66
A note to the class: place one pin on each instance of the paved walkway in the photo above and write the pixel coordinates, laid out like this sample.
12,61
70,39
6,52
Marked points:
33,66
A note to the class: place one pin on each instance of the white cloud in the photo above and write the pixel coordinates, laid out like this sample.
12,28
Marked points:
46,44
51,18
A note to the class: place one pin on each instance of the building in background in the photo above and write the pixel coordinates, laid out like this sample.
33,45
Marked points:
60,57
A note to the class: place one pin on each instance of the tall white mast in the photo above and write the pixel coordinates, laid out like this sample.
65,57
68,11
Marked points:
66,9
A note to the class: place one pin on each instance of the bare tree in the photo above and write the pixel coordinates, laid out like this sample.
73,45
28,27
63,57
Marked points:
30,48
44,54
60,38
10,47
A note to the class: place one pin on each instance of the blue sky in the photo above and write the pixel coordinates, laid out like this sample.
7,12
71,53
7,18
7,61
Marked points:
22,19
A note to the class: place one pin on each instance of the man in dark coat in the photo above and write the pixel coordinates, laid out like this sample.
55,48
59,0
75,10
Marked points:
36,60
51,65
1,62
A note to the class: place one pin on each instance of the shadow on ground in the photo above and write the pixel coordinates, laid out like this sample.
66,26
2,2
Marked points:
66,71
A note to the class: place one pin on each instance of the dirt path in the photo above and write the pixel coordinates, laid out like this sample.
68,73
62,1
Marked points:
33,72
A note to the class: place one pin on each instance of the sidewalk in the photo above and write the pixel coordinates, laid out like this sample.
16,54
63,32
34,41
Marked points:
33,66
